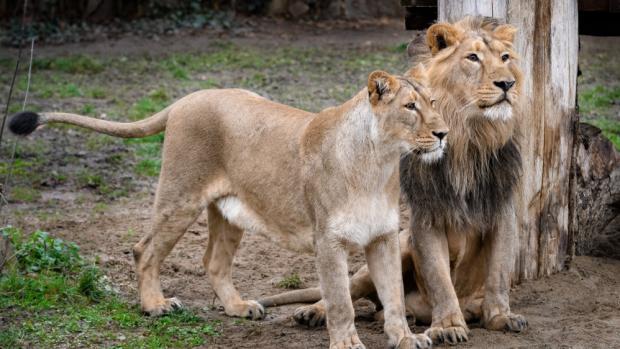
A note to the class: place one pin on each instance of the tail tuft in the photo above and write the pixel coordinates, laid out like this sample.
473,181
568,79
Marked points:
24,123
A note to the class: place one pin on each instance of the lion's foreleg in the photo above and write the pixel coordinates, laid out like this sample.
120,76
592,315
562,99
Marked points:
432,261
384,264
331,261
500,251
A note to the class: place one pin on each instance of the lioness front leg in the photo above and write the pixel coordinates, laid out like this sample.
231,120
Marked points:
361,286
432,262
331,261
384,264
224,239
500,250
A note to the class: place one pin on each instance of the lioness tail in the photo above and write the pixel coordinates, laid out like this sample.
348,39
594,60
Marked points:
26,122
308,295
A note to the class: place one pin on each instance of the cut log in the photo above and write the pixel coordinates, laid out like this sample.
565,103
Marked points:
547,42
597,177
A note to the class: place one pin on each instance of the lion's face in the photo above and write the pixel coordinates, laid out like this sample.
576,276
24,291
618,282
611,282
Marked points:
476,66
406,113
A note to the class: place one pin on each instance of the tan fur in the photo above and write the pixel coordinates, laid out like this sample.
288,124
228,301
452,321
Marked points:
462,264
316,182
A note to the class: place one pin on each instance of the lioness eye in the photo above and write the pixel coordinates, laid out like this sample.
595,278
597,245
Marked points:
473,57
410,106
505,57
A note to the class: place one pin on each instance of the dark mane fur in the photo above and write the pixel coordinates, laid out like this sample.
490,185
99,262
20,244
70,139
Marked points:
436,199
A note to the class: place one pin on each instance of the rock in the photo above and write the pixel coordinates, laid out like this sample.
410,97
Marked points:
597,171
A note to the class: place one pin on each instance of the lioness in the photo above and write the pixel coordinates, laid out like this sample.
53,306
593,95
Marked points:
317,182
463,225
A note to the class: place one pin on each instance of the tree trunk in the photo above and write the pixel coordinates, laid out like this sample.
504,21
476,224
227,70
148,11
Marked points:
547,42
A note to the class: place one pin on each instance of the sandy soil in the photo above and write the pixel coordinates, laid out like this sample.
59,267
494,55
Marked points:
579,307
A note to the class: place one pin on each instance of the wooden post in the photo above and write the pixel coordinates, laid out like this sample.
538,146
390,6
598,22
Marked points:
547,42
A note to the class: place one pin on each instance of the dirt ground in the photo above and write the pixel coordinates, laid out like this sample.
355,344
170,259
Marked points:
579,307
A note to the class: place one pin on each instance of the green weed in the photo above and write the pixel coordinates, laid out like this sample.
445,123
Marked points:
291,281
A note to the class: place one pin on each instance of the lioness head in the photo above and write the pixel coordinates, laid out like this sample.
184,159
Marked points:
406,113
474,63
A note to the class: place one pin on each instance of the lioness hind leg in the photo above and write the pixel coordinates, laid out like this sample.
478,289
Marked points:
171,220
224,239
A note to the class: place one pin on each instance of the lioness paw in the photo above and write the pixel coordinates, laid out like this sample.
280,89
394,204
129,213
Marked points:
162,307
416,341
450,335
310,315
352,342
510,322
247,309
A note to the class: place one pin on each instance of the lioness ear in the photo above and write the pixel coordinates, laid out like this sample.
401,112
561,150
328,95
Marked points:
505,32
440,36
381,87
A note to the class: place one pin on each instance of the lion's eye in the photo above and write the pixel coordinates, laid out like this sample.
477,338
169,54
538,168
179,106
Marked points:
473,57
505,57
410,106
433,103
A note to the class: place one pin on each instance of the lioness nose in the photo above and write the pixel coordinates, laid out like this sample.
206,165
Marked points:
440,135
504,85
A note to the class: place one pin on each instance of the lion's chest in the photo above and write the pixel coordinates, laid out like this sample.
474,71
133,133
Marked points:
362,220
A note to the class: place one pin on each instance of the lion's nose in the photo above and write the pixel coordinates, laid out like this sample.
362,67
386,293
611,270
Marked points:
440,135
504,85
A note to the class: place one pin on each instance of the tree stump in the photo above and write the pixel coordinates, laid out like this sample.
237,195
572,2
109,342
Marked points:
547,42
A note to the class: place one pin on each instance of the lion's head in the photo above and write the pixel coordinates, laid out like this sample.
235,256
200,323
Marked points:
405,112
474,74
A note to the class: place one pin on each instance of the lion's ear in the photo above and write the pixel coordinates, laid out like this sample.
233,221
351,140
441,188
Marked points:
505,32
440,36
381,87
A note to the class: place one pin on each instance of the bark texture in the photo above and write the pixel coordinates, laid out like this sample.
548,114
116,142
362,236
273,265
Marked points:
547,42
597,178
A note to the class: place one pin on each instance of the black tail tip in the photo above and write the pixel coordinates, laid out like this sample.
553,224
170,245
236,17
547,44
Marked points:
24,123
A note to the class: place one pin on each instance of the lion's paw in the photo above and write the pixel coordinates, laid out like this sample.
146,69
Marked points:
163,307
416,341
451,335
510,322
310,315
247,309
352,342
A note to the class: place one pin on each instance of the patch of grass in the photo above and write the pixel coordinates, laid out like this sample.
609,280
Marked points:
24,194
148,151
96,92
70,90
149,105
87,179
54,297
88,109
598,100
79,64
291,281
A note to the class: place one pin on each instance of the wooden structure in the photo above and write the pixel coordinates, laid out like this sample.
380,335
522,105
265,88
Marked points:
547,42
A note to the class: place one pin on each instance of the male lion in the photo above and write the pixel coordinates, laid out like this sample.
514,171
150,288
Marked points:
463,224
315,181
